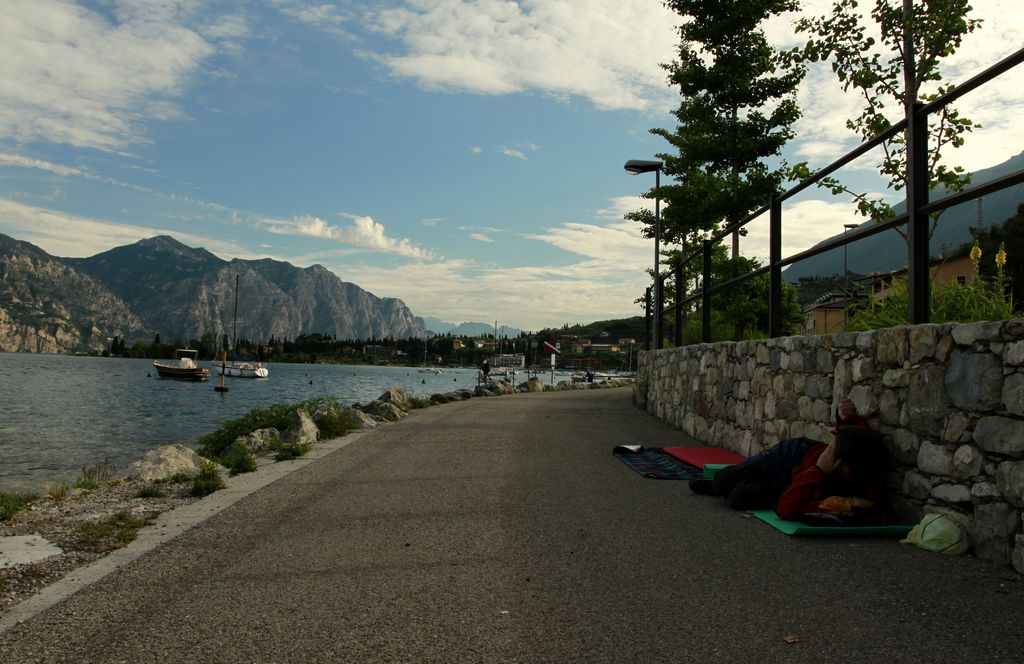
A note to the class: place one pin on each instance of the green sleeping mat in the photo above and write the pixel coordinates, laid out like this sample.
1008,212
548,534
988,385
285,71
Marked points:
798,529
711,469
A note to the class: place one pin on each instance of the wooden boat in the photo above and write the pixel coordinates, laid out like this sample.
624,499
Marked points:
184,366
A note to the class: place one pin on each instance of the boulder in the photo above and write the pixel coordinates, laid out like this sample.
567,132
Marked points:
259,440
440,398
385,410
166,462
397,397
532,385
365,421
303,431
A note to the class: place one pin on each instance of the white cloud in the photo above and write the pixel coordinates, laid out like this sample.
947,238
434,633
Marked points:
89,79
476,149
480,237
363,232
511,152
804,224
619,243
432,221
606,51
28,162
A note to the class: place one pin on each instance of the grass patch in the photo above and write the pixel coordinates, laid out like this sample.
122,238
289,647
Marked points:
207,481
93,476
114,532
239,459
336,420
59,490
417,402
150,491
287,451
14,502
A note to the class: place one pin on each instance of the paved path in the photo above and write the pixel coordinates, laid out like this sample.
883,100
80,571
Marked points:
502,529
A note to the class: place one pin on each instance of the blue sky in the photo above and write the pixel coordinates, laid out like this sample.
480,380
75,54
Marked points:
462,155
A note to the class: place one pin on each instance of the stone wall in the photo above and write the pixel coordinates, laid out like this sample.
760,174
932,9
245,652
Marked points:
949,397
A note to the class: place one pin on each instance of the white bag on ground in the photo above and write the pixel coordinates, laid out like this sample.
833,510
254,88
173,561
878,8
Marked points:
941,533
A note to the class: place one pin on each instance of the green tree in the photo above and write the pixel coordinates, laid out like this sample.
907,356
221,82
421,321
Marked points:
737,111
887,76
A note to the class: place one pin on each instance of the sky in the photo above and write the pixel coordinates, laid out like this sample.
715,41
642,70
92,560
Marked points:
464,156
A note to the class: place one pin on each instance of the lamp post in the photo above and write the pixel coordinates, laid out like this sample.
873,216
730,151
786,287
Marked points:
635,167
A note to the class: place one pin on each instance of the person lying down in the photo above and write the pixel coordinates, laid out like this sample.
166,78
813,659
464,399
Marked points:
811,481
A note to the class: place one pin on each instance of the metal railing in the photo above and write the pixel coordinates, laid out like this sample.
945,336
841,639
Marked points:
916,218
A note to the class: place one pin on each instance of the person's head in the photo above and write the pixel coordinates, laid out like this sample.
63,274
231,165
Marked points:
864,455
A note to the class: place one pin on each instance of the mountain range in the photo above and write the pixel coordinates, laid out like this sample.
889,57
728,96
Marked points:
888,251
468,329
161,286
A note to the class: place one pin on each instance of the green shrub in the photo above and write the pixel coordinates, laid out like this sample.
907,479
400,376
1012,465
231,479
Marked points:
207,481
111,533
978,300
417,402
337,420
239,459
92,476
277,416
14,502
286,451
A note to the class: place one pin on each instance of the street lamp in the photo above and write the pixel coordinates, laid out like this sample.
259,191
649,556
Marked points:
636,167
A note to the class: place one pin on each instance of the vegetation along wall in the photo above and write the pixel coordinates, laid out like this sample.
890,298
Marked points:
949,397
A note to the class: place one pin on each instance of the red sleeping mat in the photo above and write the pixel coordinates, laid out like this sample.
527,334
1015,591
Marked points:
698,456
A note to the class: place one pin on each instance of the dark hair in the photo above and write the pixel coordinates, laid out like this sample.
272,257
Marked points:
864,451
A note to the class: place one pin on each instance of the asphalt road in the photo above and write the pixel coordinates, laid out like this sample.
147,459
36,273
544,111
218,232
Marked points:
503,530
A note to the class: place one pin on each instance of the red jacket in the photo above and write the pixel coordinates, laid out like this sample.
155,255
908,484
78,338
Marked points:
811,484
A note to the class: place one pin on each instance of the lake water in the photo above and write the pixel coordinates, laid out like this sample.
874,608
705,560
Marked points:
59,413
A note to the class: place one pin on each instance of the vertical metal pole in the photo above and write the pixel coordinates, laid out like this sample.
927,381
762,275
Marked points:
680,295
917,223
705,301
917,179
647,319
774,271
659,304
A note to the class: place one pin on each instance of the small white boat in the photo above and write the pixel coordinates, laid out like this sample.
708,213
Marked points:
184,366
241,369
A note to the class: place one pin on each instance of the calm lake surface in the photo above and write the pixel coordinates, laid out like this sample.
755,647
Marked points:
59,413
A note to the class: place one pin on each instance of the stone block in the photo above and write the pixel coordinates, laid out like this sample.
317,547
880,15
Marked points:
970,333
862,368
1014,328
992,531
892,346
896,378
1018,554
844,339
866,342
974,380
923,340
763,355
983,492
967,462
1001,435
956,426
926,399
1013,393
825,362
1013,354
805,408
935,460
1010,481
951,493
821,411
889,407
916,486
863,397
904,446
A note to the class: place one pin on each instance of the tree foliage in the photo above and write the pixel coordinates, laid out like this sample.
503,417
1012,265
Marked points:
870,59
737,109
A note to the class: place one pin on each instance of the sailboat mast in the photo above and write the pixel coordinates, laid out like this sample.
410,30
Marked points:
234,321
